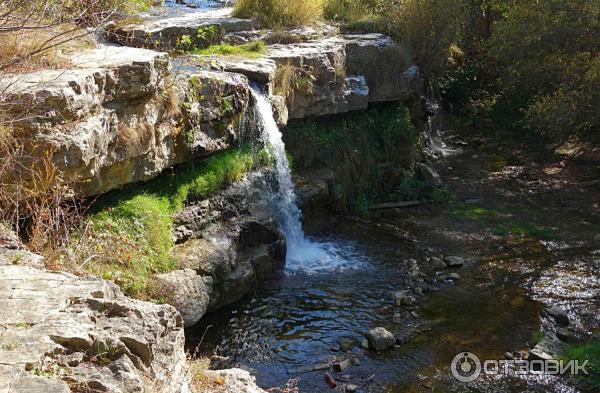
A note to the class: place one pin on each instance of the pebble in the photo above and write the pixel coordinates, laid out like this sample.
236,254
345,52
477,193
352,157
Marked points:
452,276
342,365
350,388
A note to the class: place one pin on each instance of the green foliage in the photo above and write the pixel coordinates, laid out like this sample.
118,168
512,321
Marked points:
367,151
280,13
129,236
591,353
252,50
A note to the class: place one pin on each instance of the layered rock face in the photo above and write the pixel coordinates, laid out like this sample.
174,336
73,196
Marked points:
229,246
121,116
62,333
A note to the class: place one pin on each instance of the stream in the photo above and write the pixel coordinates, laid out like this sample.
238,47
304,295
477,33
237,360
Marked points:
341,275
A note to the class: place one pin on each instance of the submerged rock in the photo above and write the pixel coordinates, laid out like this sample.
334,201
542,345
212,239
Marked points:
380,339
454,261
347,343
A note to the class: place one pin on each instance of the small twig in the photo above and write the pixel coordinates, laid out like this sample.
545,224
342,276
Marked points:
88,259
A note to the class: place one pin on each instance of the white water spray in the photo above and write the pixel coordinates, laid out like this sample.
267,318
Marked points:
302,253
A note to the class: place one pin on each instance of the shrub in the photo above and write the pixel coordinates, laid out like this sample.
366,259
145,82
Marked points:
354,10
280,13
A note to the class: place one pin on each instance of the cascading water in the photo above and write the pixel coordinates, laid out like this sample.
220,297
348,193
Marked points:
302,253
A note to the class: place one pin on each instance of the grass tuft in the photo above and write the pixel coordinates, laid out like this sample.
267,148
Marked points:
280,13
253,49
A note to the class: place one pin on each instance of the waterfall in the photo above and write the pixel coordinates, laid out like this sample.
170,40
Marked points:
303,254
290,217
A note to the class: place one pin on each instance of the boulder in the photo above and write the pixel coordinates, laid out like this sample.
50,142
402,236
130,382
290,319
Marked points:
436,264
454,261
187,292
380,339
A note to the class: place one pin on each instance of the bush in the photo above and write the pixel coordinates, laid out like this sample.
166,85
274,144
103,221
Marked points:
280,13
546,54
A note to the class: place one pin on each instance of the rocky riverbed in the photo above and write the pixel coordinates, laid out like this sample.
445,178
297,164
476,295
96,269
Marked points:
498,272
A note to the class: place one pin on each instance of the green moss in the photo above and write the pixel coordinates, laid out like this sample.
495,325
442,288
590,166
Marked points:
368,151
129,235
468,212
525,229
252,50
591,353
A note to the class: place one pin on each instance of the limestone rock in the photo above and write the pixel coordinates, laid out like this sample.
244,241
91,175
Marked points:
559,315
114,118
236,380
86,330
235,241
386,66
13,252
187,292
380,339
454,261
549,347
164,27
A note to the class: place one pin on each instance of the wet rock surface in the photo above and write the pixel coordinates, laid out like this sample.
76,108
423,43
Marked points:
231,241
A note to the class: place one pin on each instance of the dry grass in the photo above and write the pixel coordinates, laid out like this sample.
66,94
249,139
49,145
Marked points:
290,79
134,139
202,380
280,13
30,50
34,199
